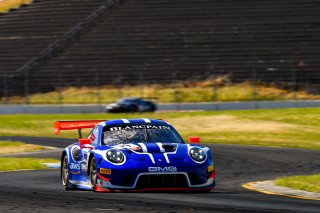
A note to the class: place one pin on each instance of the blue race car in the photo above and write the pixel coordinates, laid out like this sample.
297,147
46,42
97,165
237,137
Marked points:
134,155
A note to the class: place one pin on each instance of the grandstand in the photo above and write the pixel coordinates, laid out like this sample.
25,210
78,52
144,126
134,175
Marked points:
58,43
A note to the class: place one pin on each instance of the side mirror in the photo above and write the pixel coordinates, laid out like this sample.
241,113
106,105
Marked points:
85,143
194,140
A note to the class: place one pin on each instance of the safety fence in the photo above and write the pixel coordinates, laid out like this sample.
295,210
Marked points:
214,87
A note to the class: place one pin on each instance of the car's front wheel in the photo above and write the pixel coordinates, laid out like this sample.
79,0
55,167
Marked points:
65,173
93,174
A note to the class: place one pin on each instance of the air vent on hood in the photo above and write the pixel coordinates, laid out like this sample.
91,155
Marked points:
169,148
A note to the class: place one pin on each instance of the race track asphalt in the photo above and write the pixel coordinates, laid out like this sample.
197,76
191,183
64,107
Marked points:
41,191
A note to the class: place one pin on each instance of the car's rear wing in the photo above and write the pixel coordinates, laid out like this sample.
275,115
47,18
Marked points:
70,125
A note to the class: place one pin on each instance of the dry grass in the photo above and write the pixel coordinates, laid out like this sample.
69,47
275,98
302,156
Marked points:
7,147
183,92
221,123
24,148
6,5
307,183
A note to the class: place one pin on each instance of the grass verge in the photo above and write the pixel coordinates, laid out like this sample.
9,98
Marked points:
7,147
7,164
296,128
308,183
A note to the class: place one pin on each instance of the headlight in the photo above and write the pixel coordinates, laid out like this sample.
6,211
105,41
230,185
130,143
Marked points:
197,154
115,156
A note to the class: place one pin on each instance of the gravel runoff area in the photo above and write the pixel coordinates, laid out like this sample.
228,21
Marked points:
269,187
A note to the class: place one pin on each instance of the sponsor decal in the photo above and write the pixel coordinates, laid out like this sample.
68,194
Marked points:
92,137
129,146
118,128
101,183
210,168
75,173
162,169
105,171
77,166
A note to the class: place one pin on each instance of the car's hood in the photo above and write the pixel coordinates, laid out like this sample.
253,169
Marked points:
153,148
156,152
149,147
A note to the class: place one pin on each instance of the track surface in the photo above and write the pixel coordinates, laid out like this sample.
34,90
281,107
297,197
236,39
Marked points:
41,191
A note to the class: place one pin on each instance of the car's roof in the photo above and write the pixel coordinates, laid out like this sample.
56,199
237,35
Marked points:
136,121
129,99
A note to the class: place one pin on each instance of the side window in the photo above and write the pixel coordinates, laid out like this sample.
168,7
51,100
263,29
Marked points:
94,136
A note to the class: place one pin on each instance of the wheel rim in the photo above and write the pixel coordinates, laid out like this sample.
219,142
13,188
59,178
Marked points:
65,171
93,173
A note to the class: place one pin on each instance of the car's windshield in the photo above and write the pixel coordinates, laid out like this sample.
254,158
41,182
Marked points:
140,134
128,101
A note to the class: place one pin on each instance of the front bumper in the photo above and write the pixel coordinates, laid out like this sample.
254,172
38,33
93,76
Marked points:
158,181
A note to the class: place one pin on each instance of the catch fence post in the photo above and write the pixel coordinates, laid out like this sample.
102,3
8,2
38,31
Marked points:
215,89
59,89
26,87
5,89
294,85
98,94
141,83
254,86
215,92
60,97
118,86
175,93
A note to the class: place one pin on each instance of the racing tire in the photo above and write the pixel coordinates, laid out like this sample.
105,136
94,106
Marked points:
93,174
65,173
133,108
152,108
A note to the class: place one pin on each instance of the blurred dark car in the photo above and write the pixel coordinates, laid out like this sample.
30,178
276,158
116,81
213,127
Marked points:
131,105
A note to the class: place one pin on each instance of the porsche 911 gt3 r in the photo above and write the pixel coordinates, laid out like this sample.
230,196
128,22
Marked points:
134,155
